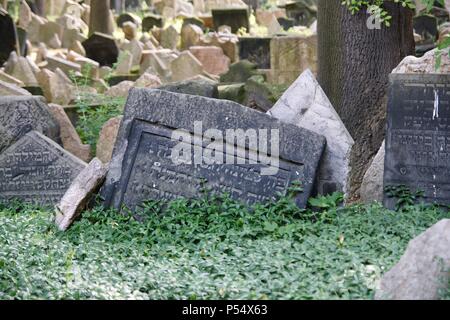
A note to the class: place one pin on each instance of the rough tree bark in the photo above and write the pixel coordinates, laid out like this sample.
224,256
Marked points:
354,65
100,17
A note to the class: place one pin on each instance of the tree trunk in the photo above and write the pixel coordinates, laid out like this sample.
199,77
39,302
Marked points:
100,17
354,65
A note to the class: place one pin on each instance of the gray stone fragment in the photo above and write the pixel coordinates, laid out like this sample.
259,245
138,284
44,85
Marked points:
423,270
372,185
79,193
203,88
306,105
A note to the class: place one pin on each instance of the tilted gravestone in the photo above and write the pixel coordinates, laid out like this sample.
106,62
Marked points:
165,150
151,21
426,26
236,18
101,48
256,50
8,36
19,115
37,170
418,136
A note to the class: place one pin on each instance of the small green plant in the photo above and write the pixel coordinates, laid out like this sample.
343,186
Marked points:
327,202
405,197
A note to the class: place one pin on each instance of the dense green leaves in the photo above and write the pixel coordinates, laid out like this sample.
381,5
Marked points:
206,249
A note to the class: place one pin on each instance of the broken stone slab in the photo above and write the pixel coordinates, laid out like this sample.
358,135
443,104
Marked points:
135,47
10,89
80,192
120,90
200,87
186,66
239,72
65,65
170,38
36,170
213,59
146,166
372,185
70,139
19,115
148,80
423,270
190,35
306,105
22,70
56,88
124,64
10,79
425,64
107,139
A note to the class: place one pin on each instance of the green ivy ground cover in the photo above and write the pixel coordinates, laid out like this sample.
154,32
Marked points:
206,249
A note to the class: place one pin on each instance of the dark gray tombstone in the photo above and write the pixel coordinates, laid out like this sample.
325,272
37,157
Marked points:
147,162
426,26
8,40
37,170
256,50
102,48
22,38
286,23
418,136
202,88
254,4
127,17
151,21
303,12
21,114
235,18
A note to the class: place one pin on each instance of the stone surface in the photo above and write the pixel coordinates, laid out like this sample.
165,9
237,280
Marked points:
372,185
202,88
120,90
255,50
65,65
147,80
228,43
306,105
11,89
130,30
142,167
190,35
19,115
239,72
185,66
81,190
8,42
25,15
422,272
35,169
70,139
169,38
107,139
417,136
55,87
425,64
151,21
10,79
236,18
22,70
101,48
213,59
290,56
426,26
135,47
124,64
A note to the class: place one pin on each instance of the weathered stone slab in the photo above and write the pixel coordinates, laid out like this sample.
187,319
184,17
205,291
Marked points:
151,21
8,36
256,50
101,48
236,18
418,136
423,271
146,163
77,197
213,59
36,169
306,105
19,115
107,139
11,89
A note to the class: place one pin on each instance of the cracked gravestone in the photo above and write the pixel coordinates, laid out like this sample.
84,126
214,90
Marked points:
36,170
418,136
21,114
160,153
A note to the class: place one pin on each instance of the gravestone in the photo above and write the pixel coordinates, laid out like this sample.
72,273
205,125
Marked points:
37,170
286,23
303,12
418,136
8,36
102,48
146,163
236,18
151,21
426,26
256,50
19,115
128,17
22,41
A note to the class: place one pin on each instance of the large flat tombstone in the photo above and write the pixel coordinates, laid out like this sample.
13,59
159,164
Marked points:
37,170
236,18
21,114
160,152
256,50
8,36
102,48
418,136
